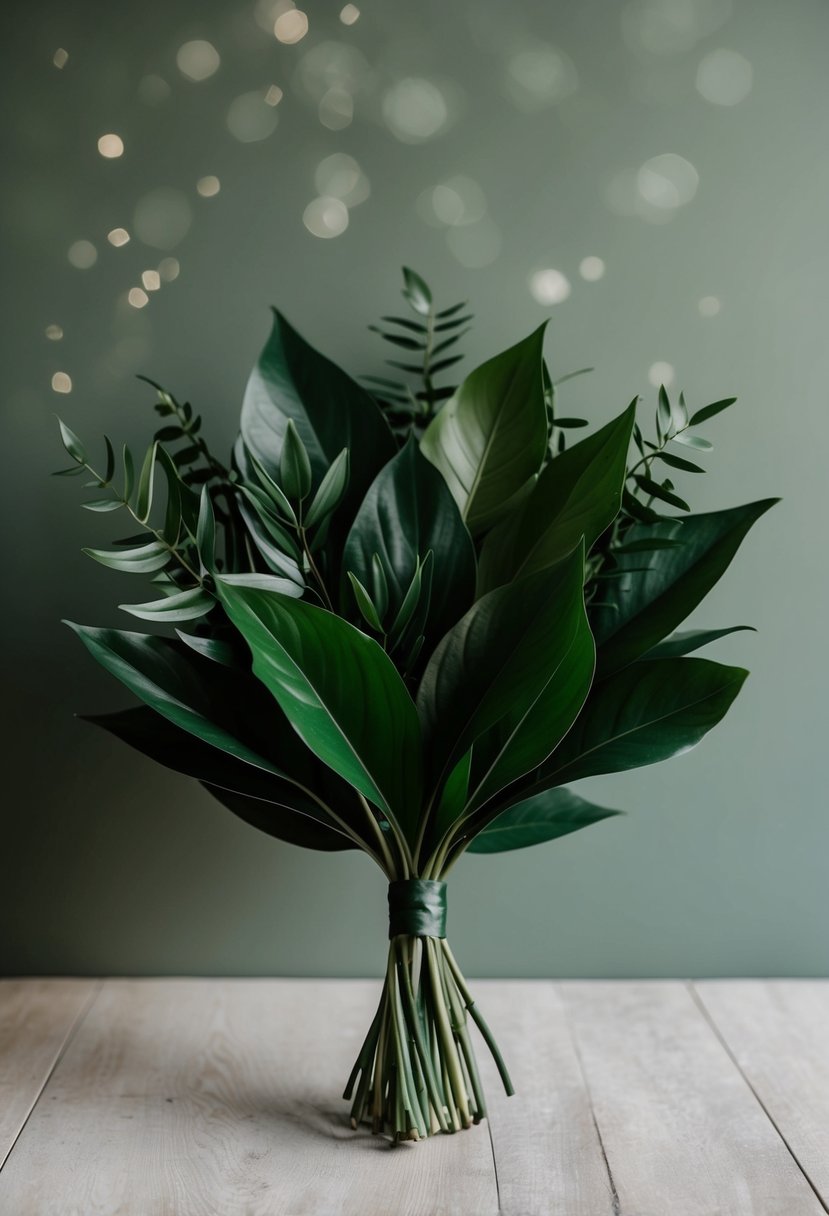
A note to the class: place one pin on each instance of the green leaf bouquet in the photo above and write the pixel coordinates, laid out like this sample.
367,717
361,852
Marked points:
403,618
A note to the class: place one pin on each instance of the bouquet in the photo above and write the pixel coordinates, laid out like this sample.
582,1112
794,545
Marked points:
403,617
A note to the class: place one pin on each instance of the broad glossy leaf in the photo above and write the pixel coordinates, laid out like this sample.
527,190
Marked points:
498,662
184,606
690,640
646,713
545,816
292,381
578,494
294,465
273,802
330,492
491,437
341,693
264,582
281,822
169,678
211,648
647,606
407,512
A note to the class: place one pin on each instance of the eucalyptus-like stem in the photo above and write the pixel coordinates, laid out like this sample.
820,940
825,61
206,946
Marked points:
312,566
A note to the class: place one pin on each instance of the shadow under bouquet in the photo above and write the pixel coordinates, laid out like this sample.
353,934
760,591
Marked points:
403,618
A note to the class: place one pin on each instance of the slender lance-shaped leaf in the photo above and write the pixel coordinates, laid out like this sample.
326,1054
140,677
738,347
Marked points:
407,512
578,494
274,803
498,660
184,606
644,714
146,559
689,640
545,816
491,437
340,692
292,381
643,607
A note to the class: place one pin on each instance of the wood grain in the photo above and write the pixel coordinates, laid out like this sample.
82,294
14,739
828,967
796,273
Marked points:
37,1018
682,1131
778,1034
548,1156
183,1098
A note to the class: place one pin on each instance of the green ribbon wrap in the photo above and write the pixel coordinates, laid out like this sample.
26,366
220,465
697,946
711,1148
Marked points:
417,908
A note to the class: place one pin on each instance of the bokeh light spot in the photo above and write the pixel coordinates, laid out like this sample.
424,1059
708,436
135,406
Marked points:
111,146
153,90
169,269
138,297
340,176
162,218
197,60
336,109
151,280
326,217
62,382
118,237
549,287
208,186
660,373
251,118
54,333
669,27
709,306
539,76
667,181
82,255
60,58
724,77
415,109
291,26
475,245
591,269
349,14
273,96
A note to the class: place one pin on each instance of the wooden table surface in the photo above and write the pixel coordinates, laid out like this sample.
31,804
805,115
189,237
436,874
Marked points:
191,1097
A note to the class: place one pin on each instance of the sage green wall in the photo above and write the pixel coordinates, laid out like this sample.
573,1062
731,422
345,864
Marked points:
112,865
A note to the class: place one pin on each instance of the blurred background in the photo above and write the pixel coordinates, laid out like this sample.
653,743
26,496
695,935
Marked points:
652,175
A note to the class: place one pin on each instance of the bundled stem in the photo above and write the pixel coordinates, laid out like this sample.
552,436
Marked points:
416,1073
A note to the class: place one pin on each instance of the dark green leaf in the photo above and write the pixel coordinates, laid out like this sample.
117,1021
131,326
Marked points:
500,666
454,323
661,492
184,606
491,437
415,326
570,423
210,648
206,534
365,603
264,582
282,821
72,443
417,292
341,693
146,481
398,339
649,606
678,462
708,411
693,441
646,713
407,512
545,816
578,494
450,312
331,491
110,459
329,410
102,504
294,465
129,472
690,640
146,559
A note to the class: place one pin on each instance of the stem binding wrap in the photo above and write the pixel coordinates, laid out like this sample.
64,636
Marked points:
417,908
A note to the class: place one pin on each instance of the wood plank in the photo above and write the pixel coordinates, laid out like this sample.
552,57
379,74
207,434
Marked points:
191,1096
778,1033
548,1156
36,1019
682,1131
